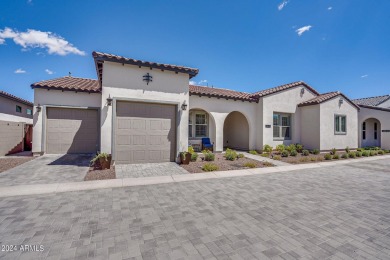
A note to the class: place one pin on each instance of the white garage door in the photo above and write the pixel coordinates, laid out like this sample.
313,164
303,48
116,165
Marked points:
145,132
70,130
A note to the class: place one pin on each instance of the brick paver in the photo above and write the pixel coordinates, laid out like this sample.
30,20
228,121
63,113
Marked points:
148,170
337,212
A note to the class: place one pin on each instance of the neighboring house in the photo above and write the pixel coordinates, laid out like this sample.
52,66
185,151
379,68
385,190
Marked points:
142,111
16,120
374,121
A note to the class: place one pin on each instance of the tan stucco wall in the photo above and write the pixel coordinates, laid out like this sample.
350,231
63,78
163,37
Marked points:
56,98
11,137
283,102
126,82
328,138
236,131
219,109
310,126
384,119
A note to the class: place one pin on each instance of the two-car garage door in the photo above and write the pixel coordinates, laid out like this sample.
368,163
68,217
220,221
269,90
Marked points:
71,130
145,132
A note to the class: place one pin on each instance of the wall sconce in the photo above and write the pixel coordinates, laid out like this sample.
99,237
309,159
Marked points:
184,106
341,101
39,108
302,91
109,101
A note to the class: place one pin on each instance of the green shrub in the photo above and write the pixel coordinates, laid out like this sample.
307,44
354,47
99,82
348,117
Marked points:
333,151
277,157
358,154
305,152
291,147
267,149
373,153
208,156
345,156
209,167
230,154
304,159
386,151
328,156
191,149
365,153
336,156
352,155
240,155
264,154
253,152
280,148
284,153
267,164
194,157
381,152
359,149
293,153
98,156
347,150
315,151
250,165
299,148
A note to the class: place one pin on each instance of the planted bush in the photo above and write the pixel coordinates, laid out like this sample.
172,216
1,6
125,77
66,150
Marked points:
267,148
299,148
336,156
280,148
365,153
277,157
347,150
284,153
313,159
381,152
250,165
264,154
194,157
315,151
358,154
253,152
293,153
372,153
359,149
328,156
208,156
267,164
209,167
304,159
230,154
352,155
305,152
291,147
191,149
345,156
240,155
333,151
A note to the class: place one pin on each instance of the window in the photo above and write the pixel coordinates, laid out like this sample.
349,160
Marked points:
29,111
375,131
364,131
19,109
340,124
198,124
282,126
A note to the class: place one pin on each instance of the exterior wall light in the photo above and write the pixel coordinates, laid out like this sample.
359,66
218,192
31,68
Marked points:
341,101
109,101
39,108
184,106
302,91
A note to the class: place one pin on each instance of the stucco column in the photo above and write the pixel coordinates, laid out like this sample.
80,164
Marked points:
219,119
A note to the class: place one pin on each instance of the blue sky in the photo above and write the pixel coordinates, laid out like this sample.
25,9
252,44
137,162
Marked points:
242,45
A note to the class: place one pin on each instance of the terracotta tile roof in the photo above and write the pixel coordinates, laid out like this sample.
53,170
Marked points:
15,98
70,84
100,57
325,97
220,93
371,101
270,91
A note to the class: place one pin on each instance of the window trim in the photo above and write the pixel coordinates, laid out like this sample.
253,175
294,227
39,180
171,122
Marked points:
192,119
346,123
16,109
280,126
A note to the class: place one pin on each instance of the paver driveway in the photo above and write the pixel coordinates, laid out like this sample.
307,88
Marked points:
338,212
48,169
148,170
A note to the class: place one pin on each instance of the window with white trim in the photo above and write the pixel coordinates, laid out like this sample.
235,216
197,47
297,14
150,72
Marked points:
340,124
29,111
198,124
282,126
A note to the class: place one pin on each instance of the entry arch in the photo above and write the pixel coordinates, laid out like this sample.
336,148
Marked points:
236,131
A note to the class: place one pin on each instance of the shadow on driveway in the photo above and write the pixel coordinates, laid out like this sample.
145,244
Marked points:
81,160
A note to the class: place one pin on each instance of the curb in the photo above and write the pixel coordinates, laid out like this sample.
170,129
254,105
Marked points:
24,190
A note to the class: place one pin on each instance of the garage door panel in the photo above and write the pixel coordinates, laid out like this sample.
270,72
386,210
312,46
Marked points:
71,130
151,132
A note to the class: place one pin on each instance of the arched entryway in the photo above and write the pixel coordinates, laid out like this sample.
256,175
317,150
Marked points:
236,131
200,124
371,133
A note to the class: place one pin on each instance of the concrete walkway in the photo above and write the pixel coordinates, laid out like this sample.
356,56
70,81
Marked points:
128,182
265,159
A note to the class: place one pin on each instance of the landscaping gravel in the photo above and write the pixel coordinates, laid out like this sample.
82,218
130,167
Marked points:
9,163
96,174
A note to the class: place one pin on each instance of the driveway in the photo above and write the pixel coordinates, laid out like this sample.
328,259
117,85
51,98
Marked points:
148,170
48,169
335,212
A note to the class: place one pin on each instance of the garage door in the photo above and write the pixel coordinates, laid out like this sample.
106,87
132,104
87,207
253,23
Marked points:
145,132
71,130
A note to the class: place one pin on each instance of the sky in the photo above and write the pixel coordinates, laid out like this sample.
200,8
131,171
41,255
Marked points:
242,45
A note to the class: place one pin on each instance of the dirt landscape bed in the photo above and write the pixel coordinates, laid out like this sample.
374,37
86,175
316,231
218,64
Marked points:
223,164
11,162
95,174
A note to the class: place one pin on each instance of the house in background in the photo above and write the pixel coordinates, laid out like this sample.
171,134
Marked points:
141,111
16,120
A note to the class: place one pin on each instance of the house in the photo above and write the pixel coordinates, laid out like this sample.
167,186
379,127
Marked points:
15,124
141,111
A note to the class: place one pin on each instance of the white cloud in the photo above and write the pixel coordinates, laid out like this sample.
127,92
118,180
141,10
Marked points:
303,29
192,82
203,81
282,5
330,8
364,76
54,44
49,71
19,71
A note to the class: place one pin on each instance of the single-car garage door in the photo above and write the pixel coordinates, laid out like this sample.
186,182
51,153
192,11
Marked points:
145,132
71,130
